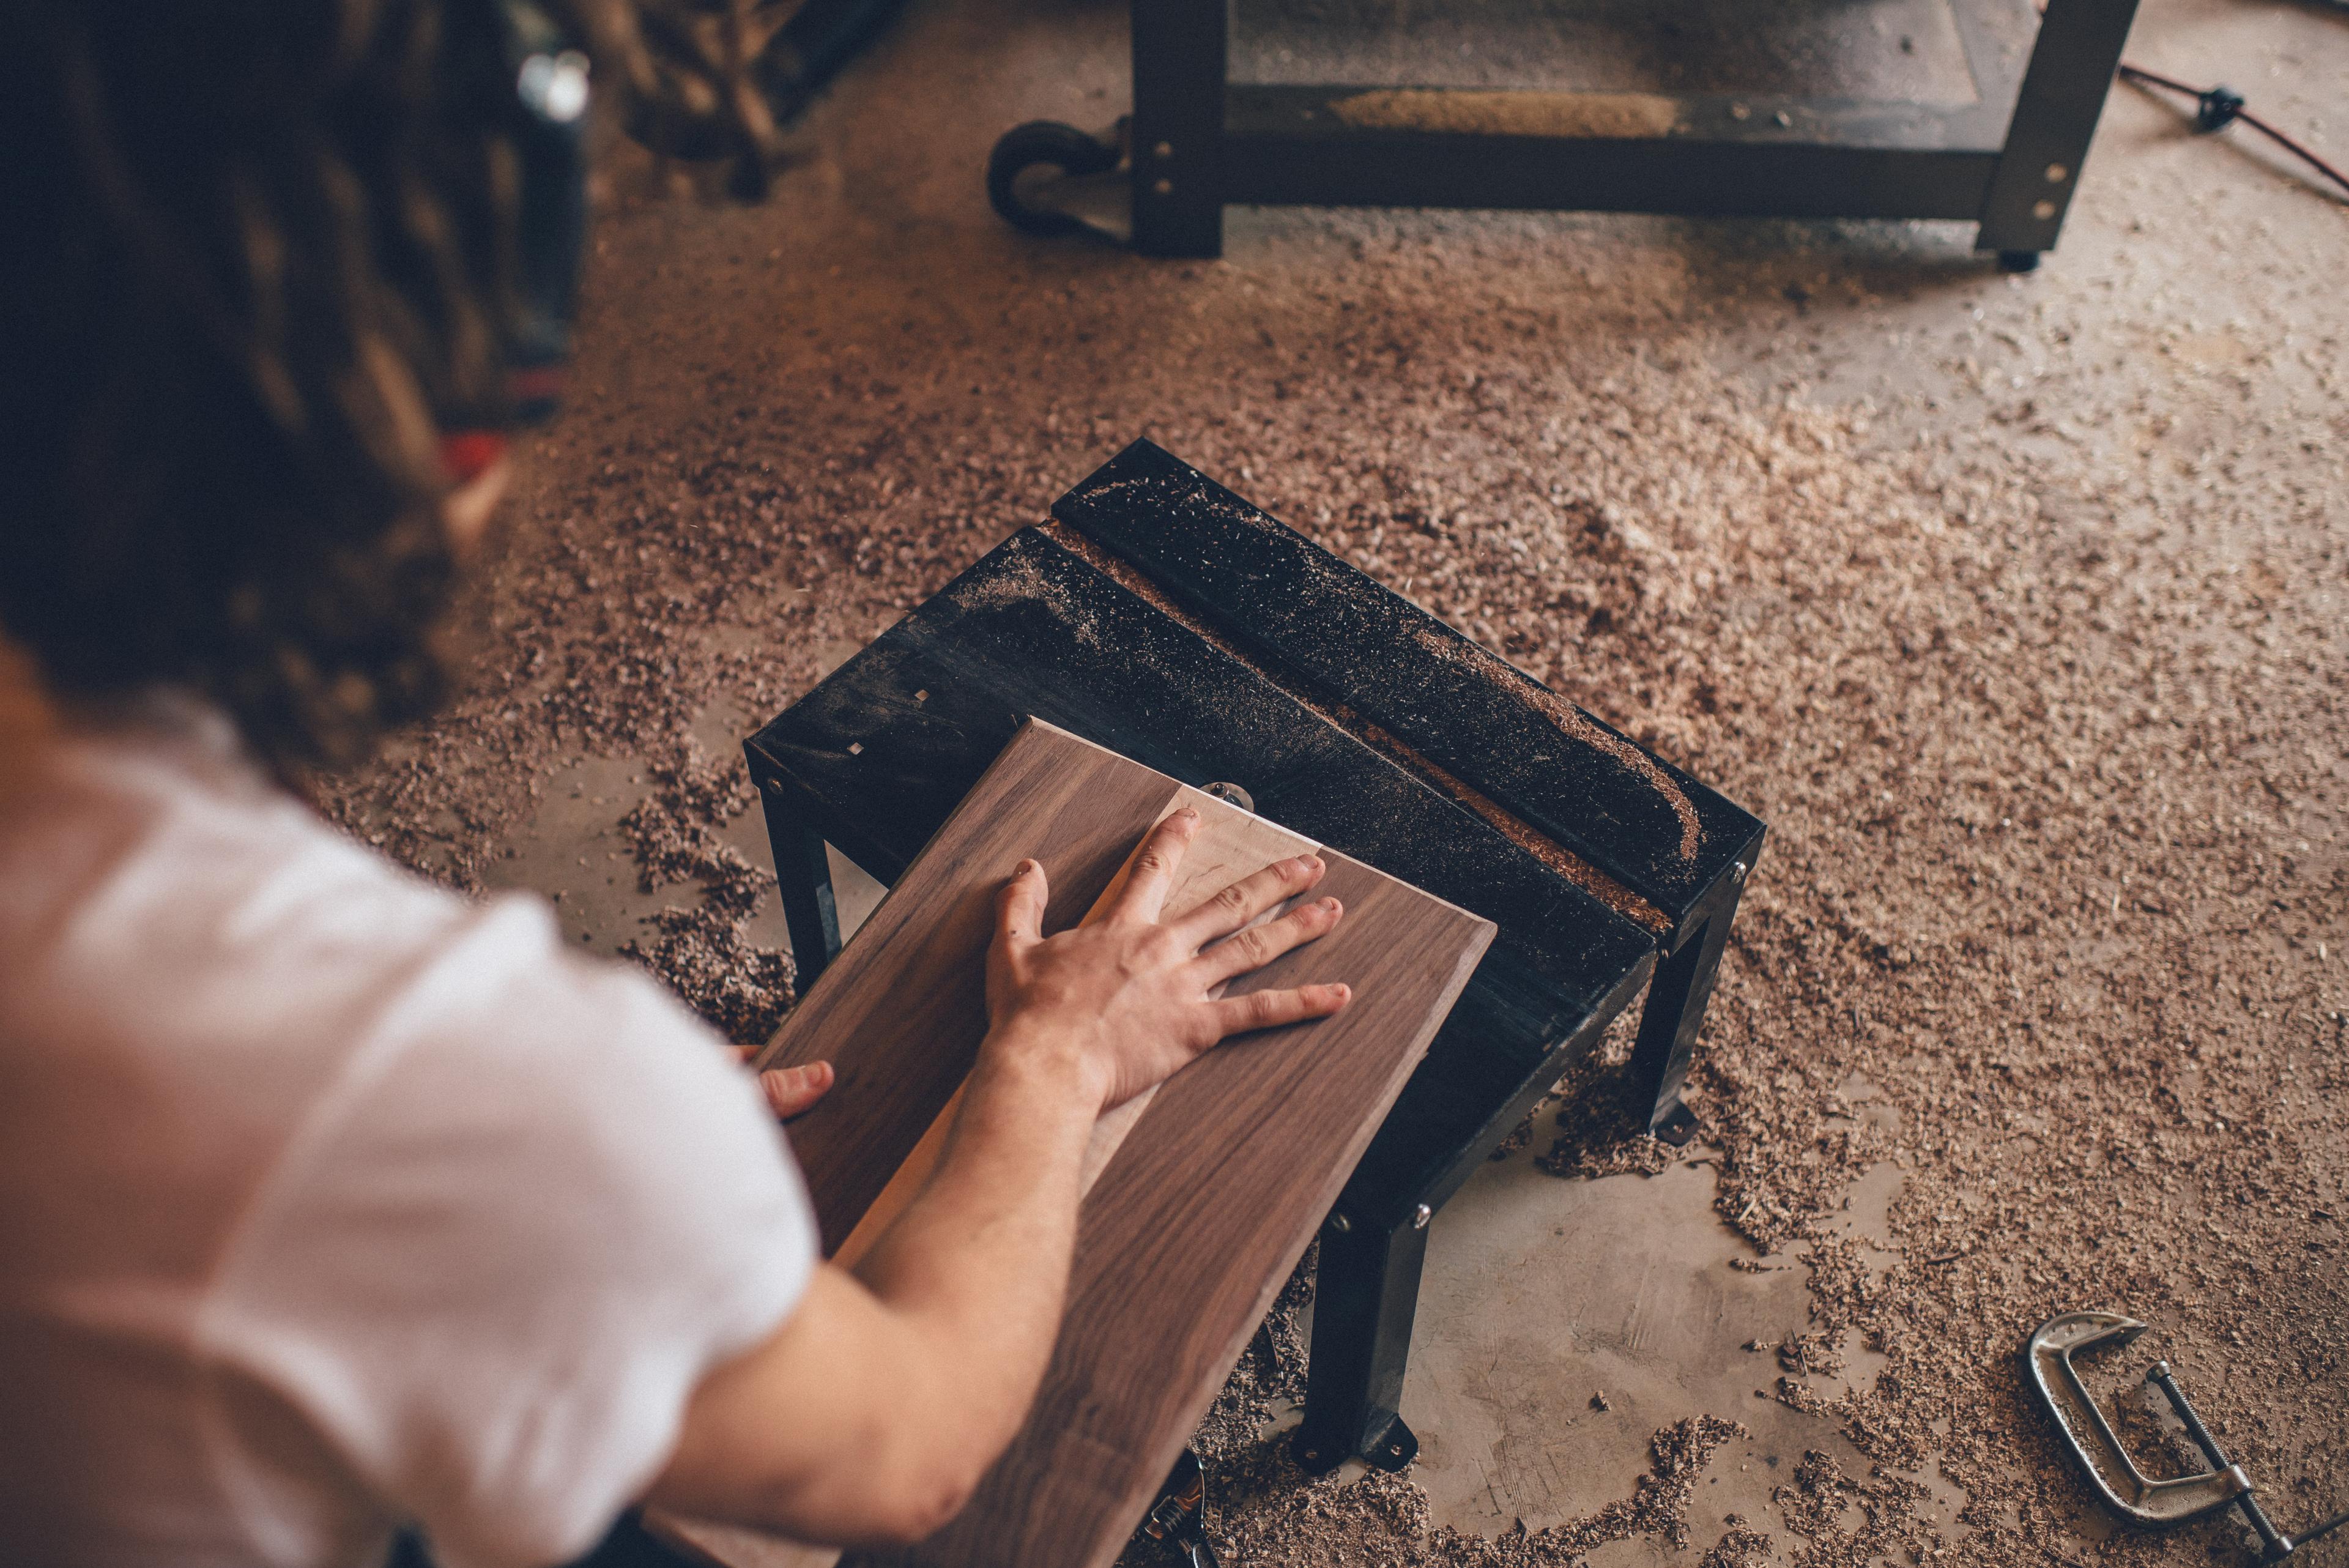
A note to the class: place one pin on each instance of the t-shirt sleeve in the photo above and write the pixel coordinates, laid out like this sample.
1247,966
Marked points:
540,1205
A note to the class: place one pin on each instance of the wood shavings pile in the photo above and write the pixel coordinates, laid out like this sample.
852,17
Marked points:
2017,610
703,950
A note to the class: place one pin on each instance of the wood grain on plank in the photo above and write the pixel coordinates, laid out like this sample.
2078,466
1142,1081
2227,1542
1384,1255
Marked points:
901,1011
1209,1198
1230,844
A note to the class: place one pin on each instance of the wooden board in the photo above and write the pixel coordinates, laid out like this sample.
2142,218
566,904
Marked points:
1203,1195
1229,846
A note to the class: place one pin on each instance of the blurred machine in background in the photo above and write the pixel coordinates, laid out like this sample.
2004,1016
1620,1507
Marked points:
1974,109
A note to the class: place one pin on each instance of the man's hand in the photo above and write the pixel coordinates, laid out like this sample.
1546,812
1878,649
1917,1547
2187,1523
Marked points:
1131,998
791,1090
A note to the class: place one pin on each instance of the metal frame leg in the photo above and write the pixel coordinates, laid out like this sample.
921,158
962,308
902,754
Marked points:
1675,1012
803,879
2063,91
1180,57
1365,1296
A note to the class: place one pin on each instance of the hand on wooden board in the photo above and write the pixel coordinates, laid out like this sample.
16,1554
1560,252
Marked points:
793,1091
1131,997
967,1134
790,1091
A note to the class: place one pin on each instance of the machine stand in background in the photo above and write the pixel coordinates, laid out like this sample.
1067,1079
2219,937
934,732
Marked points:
2009,160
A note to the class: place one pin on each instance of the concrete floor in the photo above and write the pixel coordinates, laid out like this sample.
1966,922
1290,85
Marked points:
1545,1298
1542,1294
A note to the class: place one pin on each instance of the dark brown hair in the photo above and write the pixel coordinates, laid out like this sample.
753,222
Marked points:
257,259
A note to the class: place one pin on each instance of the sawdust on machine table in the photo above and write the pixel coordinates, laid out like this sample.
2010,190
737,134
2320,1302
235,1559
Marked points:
2050,746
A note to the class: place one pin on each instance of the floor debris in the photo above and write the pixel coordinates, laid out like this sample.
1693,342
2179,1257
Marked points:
2017,608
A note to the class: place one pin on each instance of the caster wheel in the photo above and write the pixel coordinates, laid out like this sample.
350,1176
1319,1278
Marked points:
2018,261
1042,144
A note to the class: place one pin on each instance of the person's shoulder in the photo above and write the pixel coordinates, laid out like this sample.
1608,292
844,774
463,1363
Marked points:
163,830
174,920
539,1197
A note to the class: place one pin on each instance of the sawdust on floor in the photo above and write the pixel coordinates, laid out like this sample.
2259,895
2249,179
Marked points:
2017,608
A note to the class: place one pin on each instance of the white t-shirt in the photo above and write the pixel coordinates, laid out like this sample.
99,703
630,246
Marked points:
331,1202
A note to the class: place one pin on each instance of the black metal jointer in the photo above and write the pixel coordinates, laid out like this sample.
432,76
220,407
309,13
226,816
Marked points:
1188,629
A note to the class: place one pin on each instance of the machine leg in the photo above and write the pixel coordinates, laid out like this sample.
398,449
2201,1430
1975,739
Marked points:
1365,1294
2063,93
803,879
811,48
1180,57
1675,1012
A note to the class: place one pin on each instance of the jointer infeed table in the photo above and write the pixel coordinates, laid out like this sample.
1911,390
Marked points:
1162,616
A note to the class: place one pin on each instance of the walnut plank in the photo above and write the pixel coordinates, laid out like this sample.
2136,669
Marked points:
900,1013
1230,844
1206,1195
730,1546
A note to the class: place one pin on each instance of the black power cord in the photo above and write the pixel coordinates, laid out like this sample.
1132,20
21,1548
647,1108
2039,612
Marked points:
2216,107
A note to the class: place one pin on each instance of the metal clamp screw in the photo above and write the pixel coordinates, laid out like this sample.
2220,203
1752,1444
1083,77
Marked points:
1341,1224
1421,1216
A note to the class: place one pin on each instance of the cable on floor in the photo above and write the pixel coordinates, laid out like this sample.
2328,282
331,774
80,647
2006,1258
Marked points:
2216,107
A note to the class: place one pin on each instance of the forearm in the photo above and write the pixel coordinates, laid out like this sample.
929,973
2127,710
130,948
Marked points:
978,1264
879,1404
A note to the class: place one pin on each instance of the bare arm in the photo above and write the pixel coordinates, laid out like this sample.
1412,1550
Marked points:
873,1412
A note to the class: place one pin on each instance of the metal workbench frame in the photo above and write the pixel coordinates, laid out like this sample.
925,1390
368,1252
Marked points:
1166,618
1200,142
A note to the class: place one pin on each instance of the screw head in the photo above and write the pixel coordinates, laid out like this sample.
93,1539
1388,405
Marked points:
1421,1216
2042,211
1341,1224
1737,872
1229,794
1164,187
2057,174
1165,149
